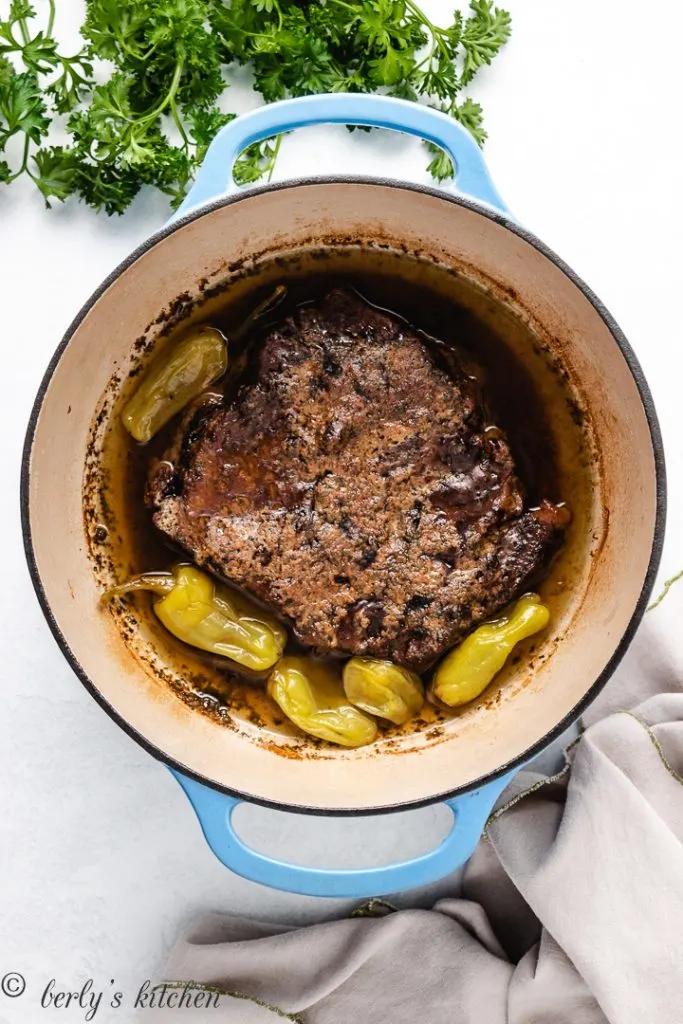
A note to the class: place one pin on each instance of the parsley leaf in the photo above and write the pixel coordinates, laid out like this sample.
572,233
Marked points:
22,108
471,116
257,161
74,80
441,165
205,123
27,101
56,171
483,35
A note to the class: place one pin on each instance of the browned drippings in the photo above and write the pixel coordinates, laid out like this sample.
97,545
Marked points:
510,362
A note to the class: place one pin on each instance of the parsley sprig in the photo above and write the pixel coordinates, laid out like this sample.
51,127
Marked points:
49,83
152,120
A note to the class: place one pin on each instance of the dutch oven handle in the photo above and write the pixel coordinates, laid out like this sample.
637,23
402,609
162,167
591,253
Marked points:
215,177
215,811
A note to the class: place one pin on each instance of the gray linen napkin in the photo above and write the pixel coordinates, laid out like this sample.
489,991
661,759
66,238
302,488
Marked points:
572,907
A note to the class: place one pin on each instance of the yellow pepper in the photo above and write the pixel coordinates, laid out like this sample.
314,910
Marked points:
311,695
206,614
174,379
382,688
469,668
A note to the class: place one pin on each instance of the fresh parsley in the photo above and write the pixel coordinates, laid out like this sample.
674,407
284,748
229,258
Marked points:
152,119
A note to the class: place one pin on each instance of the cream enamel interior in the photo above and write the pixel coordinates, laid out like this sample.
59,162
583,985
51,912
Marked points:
603,598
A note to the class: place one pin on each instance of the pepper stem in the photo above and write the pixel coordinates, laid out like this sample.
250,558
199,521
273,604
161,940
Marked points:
157,582
266,306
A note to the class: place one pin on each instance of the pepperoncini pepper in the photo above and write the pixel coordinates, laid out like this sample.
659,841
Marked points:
208,615
469,668
177,377
382,688
311,695
174,379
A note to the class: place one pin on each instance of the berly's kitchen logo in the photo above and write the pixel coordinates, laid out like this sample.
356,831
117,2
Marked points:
87,1000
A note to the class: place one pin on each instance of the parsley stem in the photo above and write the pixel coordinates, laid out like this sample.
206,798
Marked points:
168,98
24,31
24,162
419,13
135,54
276,150
179,122
51,22
24,159
434,30
667,587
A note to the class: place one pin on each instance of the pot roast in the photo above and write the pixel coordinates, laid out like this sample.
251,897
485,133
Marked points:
355,486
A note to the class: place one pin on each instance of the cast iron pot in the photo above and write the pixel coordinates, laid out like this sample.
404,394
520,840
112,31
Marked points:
616,541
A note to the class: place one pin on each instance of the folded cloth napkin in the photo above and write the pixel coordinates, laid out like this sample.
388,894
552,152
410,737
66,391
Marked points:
572,905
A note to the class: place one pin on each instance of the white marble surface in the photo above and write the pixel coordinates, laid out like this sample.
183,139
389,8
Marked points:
101,859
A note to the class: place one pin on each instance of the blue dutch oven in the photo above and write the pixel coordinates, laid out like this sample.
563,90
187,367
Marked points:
464,236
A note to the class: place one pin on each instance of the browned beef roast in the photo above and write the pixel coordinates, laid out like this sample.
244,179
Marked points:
355,487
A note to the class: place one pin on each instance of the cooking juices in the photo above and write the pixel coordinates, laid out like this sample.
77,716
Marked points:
522,391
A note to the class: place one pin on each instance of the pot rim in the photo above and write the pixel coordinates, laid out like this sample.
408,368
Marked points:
506,221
